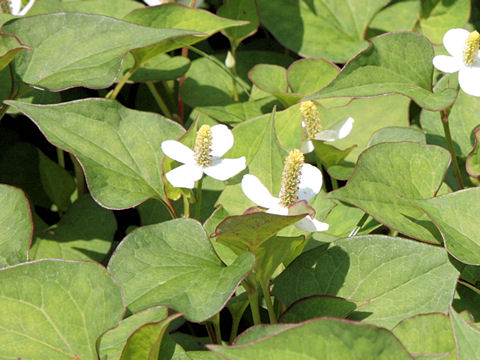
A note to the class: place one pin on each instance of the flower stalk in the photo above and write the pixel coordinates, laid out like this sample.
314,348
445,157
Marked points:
448,137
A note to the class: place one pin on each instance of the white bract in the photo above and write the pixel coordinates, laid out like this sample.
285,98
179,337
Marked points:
463,47
16,7
313,129
153,2
210,145
303,185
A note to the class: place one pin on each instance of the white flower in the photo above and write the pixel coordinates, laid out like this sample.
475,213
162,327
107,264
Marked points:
16,7
336,132
312,127
153,2
210,145
307,185
463,48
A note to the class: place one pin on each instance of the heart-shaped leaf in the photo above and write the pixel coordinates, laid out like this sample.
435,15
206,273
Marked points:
456,216
187,276
85,232
199,23
427,334
113,341
240,10
440,16
402,171
334,30
16,224
395,277
97,45
118,148
319,339
146,341
61,316
116,9
398,63
243,233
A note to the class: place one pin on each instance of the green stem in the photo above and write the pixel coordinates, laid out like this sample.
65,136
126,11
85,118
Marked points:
268,300
448,137
169,206
60,158
156,95
186,206
211,333
80,179
360,223
198,205
216,325
251,286
236,318
334,183
113,94
253,299
233,48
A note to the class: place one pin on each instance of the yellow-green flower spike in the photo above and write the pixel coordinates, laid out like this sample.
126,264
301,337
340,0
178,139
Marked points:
291,177
202,148
311,119
472,45
5,7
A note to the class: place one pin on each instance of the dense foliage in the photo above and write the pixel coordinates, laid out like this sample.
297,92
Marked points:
239,179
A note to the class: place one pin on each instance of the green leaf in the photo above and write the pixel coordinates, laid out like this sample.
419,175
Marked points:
116,9
146,341
9,48
273,79
308,75
403,171
328,155
240,10
200,24
243,233
466,337
317,306
427,334
85,232
344,218
397,134
275,251
298,24
58,184
54,309
320,339
118,148
398,16
113,341
207,84
473,159
161,67
455,215
394,63
97,45
395,277
16,224
443,16
187,258
267,163
461,122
